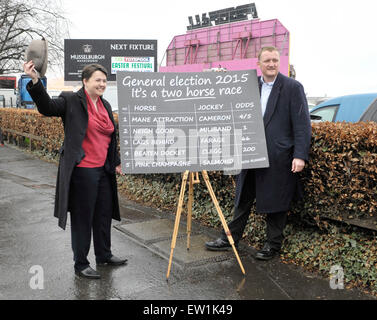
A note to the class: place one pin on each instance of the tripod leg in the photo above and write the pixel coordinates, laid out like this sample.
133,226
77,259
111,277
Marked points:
223,221
189,208
177,219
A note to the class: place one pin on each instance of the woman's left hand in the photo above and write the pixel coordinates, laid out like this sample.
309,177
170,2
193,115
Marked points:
118,169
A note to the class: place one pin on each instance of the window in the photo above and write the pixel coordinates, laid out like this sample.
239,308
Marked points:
327,113
7,82
371,113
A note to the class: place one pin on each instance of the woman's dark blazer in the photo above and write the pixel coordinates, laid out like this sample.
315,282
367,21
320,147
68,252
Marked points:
288,135
72,108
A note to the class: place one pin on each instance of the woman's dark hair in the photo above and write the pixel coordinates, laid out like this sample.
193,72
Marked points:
90,69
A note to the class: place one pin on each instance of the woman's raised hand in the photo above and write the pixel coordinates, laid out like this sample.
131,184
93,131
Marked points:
30,71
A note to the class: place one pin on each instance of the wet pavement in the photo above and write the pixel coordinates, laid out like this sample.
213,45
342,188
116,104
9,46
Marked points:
36,258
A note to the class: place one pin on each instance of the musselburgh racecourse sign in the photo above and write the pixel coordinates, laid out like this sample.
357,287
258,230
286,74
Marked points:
114,55
172,122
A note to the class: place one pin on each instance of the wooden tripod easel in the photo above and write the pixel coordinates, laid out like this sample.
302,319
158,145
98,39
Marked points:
193,181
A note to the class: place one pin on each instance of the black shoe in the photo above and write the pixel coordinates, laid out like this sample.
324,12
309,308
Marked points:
88,273
112,261
267,253
219,245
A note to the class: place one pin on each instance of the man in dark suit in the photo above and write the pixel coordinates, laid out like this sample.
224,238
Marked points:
288,134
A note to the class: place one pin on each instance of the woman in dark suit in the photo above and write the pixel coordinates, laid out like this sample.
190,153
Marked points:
86,183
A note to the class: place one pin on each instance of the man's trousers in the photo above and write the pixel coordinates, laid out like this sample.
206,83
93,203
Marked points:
276,221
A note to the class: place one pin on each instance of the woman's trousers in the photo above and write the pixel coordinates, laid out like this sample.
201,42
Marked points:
91,209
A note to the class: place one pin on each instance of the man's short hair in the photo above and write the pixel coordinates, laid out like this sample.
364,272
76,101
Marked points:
270,49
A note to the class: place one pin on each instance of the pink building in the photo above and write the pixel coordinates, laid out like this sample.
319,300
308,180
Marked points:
233,46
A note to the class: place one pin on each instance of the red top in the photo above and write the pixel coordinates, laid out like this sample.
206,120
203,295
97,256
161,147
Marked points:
98,135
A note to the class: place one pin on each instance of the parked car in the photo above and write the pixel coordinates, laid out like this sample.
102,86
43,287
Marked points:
351,108
24,99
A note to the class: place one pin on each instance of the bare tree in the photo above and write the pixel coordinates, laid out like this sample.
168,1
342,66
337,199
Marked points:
24,20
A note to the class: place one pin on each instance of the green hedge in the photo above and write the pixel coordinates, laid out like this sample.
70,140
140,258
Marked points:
318,250
341,179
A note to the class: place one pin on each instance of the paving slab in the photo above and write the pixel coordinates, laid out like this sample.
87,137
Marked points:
151,231
130,214
197,254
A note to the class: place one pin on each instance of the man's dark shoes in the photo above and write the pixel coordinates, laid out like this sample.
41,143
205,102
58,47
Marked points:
218,245
88,273
112,261
267,253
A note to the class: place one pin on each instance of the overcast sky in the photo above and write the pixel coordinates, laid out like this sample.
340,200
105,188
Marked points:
333,42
